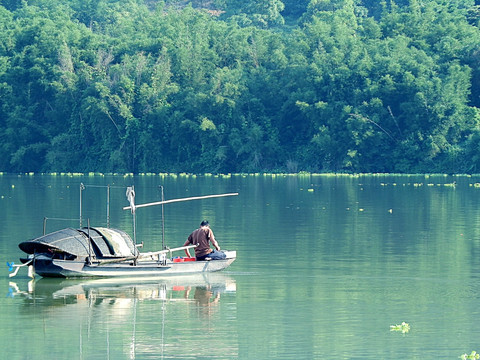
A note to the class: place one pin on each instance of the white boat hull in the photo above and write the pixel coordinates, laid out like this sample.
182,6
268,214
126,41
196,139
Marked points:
48,267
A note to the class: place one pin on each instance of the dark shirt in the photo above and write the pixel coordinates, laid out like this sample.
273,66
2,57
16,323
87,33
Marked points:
202,237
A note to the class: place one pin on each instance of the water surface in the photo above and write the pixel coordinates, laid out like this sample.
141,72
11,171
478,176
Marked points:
325,265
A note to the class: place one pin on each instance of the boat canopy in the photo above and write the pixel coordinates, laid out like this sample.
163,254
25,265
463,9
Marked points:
103,243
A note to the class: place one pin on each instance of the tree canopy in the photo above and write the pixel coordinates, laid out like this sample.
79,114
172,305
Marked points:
240,86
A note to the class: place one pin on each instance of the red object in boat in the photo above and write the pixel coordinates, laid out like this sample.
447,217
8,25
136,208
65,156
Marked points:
183,259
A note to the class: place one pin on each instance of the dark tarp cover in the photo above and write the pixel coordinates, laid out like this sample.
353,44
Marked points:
105,242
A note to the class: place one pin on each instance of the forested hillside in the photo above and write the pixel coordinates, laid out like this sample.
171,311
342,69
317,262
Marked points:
240,86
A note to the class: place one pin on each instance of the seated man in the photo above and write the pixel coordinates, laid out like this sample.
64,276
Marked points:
202,238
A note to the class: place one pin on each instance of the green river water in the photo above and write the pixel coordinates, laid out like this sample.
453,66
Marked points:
325,266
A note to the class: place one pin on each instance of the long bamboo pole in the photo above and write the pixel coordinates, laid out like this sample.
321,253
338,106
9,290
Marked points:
166,251
178,200
140,257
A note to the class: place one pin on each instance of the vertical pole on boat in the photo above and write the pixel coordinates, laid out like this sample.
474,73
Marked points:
134,219
89,242
131,199
163,220
82,187
108,205
134,228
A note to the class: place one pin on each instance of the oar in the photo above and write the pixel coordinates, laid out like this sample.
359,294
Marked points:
12,265
166,251
112,261
140,257
178,200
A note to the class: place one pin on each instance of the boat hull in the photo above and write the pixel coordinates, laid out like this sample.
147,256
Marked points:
48,267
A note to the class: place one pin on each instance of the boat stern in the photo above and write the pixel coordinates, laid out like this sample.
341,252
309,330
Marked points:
231,254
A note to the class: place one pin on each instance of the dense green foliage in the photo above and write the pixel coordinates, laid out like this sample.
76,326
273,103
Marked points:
239,86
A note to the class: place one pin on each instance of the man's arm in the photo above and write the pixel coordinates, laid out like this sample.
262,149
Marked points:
187,252
213,241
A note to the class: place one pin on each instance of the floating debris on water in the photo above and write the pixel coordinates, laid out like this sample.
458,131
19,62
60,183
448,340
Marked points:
403,327
473,355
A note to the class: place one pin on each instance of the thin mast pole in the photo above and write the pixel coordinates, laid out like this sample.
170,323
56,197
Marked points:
108,205
163,220
82,187
131,199
89,242
134,222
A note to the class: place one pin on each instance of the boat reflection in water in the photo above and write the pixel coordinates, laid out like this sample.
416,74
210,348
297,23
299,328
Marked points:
139,288
134,318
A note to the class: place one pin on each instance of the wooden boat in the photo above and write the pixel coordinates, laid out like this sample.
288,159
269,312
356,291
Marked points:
107,252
